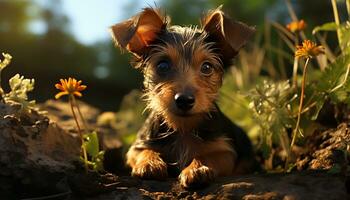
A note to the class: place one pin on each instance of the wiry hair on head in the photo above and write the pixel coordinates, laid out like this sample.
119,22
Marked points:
153,42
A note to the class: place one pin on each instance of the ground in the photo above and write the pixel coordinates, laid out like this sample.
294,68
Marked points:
38,159
309,185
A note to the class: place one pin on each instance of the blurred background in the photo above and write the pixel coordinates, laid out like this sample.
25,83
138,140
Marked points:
53,39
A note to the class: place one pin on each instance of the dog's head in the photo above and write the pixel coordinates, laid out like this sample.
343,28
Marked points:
183,66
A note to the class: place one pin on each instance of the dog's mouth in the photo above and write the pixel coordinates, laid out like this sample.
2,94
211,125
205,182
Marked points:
183,114
174,110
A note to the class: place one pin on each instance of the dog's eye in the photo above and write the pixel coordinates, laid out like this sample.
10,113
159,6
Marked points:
163,67
207,69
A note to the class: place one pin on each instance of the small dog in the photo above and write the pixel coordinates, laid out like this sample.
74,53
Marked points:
183,68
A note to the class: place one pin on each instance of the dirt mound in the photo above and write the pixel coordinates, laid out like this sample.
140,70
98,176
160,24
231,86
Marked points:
327,150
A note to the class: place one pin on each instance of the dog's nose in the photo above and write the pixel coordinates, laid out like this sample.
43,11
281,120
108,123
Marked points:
184,102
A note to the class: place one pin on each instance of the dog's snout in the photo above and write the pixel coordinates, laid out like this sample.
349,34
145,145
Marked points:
184,101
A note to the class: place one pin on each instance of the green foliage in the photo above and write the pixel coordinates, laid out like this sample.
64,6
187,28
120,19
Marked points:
344,30
91,144
20,86
272,102
330,26
129,119
345,37
334,80
236,106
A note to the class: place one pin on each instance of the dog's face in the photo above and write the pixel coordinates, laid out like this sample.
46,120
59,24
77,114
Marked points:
183,66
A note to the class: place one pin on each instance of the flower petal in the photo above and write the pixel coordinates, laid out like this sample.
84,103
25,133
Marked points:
81,87
78,94
58,86
58,95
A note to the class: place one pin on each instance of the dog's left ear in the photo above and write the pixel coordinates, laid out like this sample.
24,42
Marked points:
229,35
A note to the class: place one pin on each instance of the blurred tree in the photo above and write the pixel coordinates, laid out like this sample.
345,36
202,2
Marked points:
185,12
54,53
46,56
15,11
249,11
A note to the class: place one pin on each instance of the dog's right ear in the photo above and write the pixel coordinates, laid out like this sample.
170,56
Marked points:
138,32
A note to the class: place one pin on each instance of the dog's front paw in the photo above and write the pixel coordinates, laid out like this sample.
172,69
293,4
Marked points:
196,175
150,167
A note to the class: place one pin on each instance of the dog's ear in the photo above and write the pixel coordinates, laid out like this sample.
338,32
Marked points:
229,35
136,33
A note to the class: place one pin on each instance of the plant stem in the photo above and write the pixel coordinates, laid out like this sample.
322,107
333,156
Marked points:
71,100
296,130
295,65
295,73
337,22
80,114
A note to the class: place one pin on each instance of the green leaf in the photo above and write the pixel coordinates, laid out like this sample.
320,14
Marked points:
98,161
91,144
333,75
330,26
318,107
345,38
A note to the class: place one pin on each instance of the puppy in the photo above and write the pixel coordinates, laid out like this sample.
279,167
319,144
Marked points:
183,67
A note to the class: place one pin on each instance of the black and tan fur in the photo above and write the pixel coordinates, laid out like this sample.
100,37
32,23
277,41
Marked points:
200,143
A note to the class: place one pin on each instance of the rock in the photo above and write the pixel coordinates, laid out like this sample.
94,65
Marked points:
35,153
40,157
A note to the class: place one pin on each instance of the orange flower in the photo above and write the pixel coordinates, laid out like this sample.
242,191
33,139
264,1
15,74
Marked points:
69,87
309,49
296,26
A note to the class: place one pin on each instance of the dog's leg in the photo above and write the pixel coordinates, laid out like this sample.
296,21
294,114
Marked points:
213,160
146,164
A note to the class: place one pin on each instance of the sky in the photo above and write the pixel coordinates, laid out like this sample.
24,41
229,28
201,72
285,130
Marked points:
90,19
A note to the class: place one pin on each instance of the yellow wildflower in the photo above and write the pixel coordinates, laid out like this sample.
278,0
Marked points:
308,49
296,26
69,87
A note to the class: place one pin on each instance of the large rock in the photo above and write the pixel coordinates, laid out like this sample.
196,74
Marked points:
35,153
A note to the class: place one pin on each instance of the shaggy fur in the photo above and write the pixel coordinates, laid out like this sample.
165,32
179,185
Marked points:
199,143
